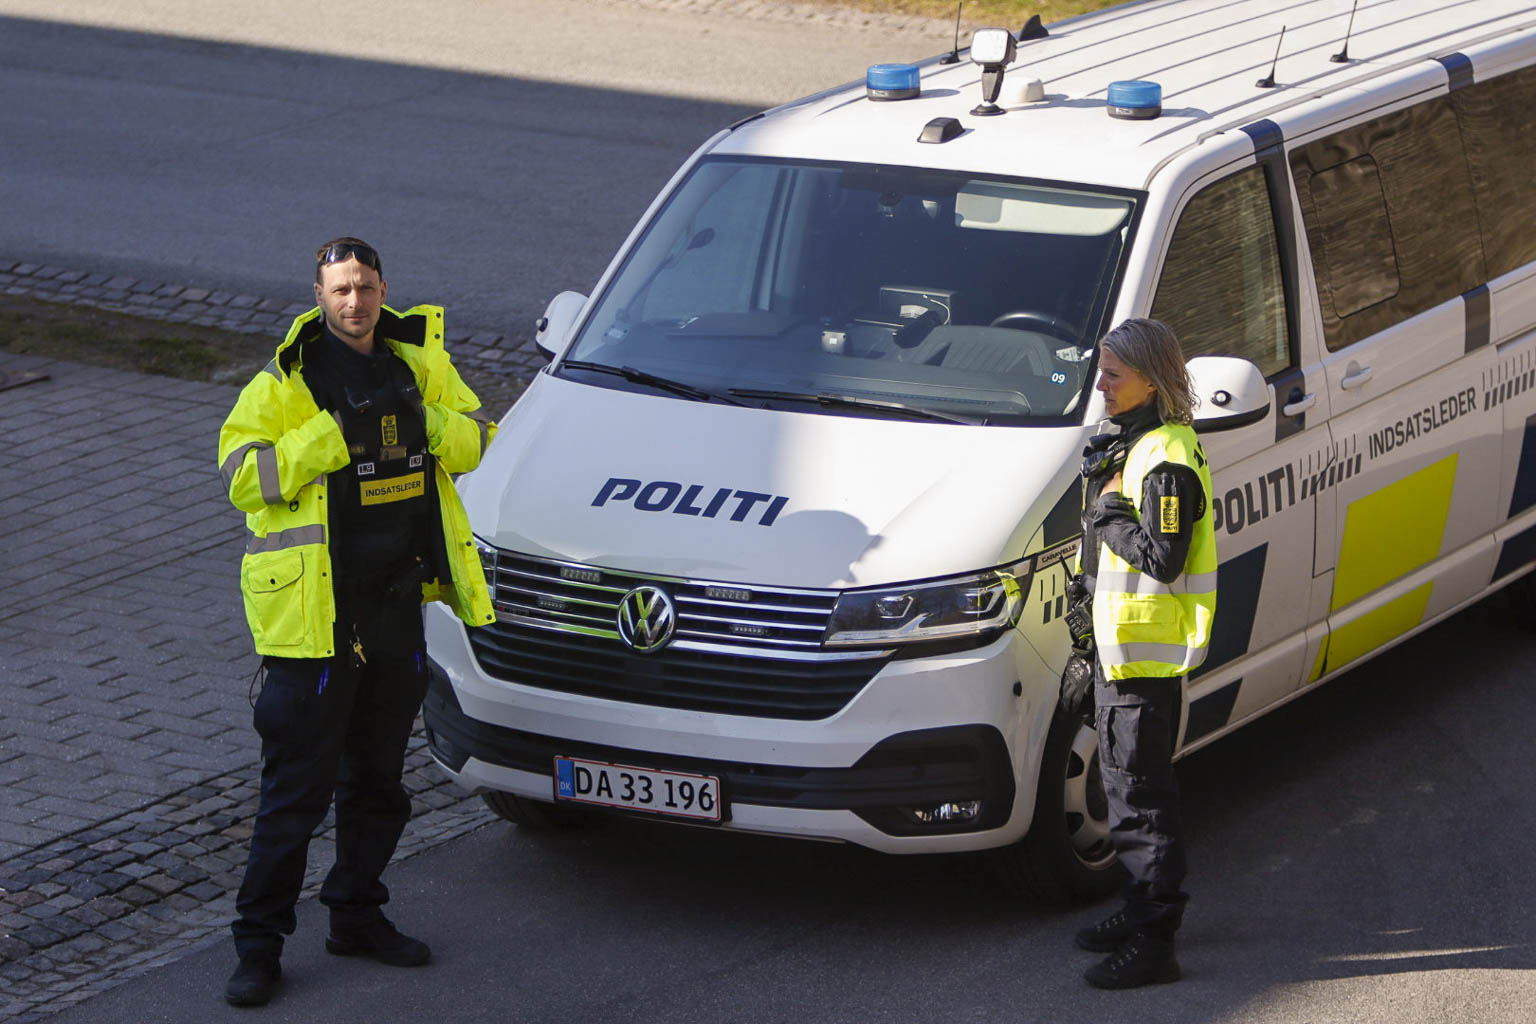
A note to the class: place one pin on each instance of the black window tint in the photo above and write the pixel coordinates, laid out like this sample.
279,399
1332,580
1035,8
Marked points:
1412,162
1221,289
1495,119
1356,234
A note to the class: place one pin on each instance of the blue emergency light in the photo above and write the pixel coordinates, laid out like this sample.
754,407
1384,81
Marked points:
892,81
1136,101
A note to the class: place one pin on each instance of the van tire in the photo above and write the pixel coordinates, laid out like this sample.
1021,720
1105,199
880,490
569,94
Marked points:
537,815
1066,857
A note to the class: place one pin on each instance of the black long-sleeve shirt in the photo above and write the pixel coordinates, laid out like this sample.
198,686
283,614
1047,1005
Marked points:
1110,517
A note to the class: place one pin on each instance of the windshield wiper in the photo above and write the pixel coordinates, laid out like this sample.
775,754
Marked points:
629,373
850,402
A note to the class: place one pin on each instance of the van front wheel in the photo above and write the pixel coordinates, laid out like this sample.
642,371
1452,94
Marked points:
1066,857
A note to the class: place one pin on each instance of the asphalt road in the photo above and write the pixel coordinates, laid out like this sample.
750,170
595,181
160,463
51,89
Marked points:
495,152
1361,856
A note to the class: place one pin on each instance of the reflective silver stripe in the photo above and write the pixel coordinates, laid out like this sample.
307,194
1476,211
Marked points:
266,472
1129,581
291,538
1164,654
231,464
1197,583
271,368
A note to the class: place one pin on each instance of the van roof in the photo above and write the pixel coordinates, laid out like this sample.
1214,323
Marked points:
1207,55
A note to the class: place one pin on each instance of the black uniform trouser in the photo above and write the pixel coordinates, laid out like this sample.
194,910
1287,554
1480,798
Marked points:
327,728
1138,722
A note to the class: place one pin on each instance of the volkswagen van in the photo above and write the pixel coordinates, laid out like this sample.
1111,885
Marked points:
779,539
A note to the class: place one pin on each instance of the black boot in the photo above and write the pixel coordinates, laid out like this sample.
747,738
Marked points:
1108,934
378,940
1145,958
254,981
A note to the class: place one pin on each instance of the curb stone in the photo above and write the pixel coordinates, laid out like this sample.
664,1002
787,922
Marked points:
497,366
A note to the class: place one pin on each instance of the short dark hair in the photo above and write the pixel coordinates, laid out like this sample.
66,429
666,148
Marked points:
339,250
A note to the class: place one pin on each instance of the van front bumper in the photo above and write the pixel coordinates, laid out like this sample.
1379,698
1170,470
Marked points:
870,775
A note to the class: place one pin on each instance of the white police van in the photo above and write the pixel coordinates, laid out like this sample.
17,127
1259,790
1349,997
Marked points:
779,540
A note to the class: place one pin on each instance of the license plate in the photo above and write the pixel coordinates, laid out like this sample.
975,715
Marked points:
673,794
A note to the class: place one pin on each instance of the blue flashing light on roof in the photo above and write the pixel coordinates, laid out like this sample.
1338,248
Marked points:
892,81
1136,101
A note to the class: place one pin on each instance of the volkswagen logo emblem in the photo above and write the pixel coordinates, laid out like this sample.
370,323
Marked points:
647,618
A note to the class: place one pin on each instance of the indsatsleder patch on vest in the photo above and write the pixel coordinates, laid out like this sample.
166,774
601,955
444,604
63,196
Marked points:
398,488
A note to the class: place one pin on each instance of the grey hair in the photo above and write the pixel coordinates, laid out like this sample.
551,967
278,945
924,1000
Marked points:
1152,349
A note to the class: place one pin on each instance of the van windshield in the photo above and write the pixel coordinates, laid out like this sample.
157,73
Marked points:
863,290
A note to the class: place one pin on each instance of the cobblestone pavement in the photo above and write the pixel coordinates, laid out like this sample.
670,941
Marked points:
127,758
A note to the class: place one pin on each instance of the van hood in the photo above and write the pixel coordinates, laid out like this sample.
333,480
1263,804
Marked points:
679,488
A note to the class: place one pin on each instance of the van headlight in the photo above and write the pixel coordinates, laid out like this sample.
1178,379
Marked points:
975,605
488,556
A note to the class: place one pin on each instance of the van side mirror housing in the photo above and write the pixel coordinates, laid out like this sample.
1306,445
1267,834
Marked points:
1232,393
553,332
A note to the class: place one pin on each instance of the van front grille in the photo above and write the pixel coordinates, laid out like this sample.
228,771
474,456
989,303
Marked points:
737,650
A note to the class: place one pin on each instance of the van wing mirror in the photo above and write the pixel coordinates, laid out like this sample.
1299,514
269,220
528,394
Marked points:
1231,393
554,327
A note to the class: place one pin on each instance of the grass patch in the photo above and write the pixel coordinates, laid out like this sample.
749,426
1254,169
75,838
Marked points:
80,334
1002,13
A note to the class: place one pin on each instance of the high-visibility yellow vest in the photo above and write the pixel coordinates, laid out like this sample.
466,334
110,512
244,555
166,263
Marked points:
276,449
1144,627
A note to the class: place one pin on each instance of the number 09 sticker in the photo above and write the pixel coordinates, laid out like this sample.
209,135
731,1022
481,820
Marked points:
670,794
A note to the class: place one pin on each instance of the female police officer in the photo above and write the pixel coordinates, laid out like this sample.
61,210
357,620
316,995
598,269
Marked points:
1149,558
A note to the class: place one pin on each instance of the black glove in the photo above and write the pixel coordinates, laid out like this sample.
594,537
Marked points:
1077,678
1079,615
1077,685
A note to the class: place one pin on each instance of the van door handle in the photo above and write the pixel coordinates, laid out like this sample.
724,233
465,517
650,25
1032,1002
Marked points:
1299,403
1357,377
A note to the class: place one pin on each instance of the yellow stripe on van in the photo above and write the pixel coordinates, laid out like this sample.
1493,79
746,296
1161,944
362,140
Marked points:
1376,627
1392,532
1320,665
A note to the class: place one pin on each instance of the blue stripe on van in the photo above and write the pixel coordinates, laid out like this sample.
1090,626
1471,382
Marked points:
1517,552
1459,67
1238,581
1524,495
1479,316
1265,135
1211,712
1065,519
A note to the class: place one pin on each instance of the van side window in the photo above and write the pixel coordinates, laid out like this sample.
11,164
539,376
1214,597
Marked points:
1501,152
1390,219
1221,288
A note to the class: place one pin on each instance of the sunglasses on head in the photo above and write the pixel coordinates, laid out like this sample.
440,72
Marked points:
340,252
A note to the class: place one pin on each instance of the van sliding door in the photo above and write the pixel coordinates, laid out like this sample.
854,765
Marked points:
1392,234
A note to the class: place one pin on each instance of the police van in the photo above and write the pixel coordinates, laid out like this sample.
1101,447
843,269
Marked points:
779,540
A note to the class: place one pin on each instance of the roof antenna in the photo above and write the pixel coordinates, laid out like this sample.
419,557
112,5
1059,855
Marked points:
1032,29
1342,57
1268,81
954,55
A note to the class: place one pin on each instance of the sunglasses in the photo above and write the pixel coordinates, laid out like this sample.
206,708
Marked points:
340,252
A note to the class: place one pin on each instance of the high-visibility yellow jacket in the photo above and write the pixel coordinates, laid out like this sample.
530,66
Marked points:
1143,627
276,450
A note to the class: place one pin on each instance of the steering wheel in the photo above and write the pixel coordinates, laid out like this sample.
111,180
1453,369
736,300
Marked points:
1034,320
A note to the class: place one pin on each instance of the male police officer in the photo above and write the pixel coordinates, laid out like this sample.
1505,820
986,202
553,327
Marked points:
339,454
